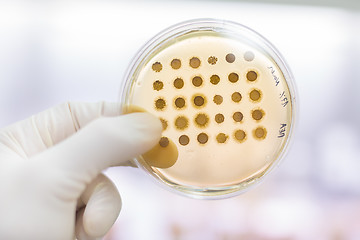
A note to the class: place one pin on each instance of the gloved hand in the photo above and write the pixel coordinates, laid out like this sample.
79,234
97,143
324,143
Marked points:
51,185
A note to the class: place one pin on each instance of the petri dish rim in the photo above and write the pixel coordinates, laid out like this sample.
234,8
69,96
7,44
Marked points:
233,30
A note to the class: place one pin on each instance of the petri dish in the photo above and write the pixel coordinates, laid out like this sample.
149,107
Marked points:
226,98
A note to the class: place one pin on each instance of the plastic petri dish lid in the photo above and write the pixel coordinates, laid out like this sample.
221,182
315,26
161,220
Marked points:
226,99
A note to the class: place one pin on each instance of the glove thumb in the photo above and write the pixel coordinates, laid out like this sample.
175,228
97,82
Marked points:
105,142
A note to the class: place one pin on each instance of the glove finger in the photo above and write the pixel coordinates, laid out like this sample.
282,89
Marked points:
79,227
102,206
103,143
43,130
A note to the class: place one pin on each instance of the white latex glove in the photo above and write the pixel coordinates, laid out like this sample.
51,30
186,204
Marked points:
51,184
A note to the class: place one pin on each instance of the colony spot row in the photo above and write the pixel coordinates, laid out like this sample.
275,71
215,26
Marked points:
195,62
201,120
199,100
239,135
198,81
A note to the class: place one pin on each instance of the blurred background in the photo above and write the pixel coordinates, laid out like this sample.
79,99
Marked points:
57,51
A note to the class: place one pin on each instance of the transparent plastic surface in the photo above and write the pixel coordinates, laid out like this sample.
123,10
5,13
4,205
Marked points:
226,99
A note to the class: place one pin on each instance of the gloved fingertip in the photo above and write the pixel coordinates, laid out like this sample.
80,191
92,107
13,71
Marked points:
98,223
103,205
131,109
163,155
146,124
80,232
